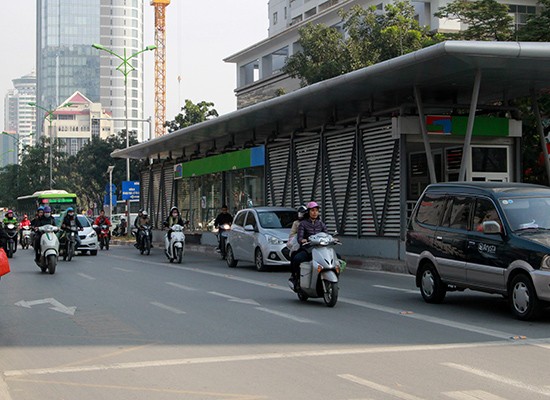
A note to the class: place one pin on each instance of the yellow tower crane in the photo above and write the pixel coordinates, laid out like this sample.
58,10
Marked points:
160,65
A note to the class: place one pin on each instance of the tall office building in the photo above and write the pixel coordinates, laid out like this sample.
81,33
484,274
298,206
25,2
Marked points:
67,62
19,118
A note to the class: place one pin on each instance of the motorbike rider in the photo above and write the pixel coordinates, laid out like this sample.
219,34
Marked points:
70,221
223,218
43,217
309,226
8,219
173,218
102,219
141,220
24,222
292,243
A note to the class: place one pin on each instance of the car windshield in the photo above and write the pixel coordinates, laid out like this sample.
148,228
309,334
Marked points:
277,219
527,213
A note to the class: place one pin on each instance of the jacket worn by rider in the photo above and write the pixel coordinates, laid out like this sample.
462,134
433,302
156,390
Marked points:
102,221
69,222
140,221
223,218
9,221
171,221
309,227
41,221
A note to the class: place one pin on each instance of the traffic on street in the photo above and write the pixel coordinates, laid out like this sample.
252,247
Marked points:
127,326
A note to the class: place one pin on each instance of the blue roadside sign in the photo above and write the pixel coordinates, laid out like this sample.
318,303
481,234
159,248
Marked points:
106,200
130,190
113,188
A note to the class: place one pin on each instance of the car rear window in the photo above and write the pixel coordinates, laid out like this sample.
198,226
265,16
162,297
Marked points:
431,208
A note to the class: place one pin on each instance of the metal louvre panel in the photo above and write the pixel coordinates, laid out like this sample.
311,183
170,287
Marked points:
382,159
278,164
307,156
144,188
340,202
169,201
156,193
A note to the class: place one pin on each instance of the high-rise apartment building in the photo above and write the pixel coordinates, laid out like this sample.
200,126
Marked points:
67,62
19,117
259,67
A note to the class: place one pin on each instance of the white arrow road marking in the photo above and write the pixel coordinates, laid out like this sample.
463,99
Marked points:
380,388
498,378
472,395
57,306
165,307
236,299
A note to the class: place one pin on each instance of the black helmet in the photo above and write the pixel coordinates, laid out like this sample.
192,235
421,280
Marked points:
302,209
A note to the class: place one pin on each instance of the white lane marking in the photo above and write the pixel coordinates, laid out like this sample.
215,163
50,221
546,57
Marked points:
434,320
122,269
396,289
389,310
4,390
498,378
472,395
236,299
165,307
287,316
181,286
91,278
56,305
255,357
380,388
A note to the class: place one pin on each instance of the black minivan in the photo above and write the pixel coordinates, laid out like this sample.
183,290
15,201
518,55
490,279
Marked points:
488,236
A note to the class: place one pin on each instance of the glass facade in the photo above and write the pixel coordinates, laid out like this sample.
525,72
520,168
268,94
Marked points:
66,61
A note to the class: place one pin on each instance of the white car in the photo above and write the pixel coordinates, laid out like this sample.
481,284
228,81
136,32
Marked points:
88,236
259,235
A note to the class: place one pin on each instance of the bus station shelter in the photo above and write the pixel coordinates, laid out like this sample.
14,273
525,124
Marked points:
364,145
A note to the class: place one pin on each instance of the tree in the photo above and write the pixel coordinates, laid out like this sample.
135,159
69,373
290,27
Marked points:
192,114
367,37
537,28
485,19
323,55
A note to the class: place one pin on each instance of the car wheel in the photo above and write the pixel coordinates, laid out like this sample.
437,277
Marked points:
230,258
433,290
522,297
259,260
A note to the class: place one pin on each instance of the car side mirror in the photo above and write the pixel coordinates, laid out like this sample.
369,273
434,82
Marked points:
491,227
249,228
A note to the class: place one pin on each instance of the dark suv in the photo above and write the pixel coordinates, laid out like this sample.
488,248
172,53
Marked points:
486,236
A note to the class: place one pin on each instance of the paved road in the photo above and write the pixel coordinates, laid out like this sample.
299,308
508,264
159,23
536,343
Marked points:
125,326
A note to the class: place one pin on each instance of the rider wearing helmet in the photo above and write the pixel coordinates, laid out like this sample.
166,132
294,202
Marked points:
43,217
71,221
141,220
309,226
292,243
102,219
24,222
8,219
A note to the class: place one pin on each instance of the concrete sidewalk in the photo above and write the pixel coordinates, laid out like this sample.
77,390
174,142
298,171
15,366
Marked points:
371,264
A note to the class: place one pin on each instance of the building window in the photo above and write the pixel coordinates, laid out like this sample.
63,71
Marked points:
275,18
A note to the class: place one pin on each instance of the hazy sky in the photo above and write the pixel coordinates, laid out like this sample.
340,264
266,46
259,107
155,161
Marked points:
200,34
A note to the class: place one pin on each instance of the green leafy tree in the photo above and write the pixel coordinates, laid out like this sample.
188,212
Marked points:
485,19
537,28
192,114
323,55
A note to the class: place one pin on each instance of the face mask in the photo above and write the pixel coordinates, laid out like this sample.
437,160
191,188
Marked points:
174,215
71,214
47,215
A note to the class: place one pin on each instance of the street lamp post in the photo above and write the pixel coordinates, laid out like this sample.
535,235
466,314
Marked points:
49,115
125,68
110,172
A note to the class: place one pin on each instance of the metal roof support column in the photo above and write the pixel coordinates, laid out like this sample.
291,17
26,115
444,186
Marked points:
470,128
540,130
425,138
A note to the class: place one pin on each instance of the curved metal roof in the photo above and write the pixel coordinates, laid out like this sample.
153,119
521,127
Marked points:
443,72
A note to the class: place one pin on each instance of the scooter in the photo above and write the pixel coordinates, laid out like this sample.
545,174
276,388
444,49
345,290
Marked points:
175,247
144,239
319,277
104,237
69,247
49,248
222,238
25,237
10,245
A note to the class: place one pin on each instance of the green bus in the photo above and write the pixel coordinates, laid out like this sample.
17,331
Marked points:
58,200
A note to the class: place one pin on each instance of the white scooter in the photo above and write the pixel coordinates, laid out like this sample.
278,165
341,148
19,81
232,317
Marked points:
49,248
319,277
26,237
175,247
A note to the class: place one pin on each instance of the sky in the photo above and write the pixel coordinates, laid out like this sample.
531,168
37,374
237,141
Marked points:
200,34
